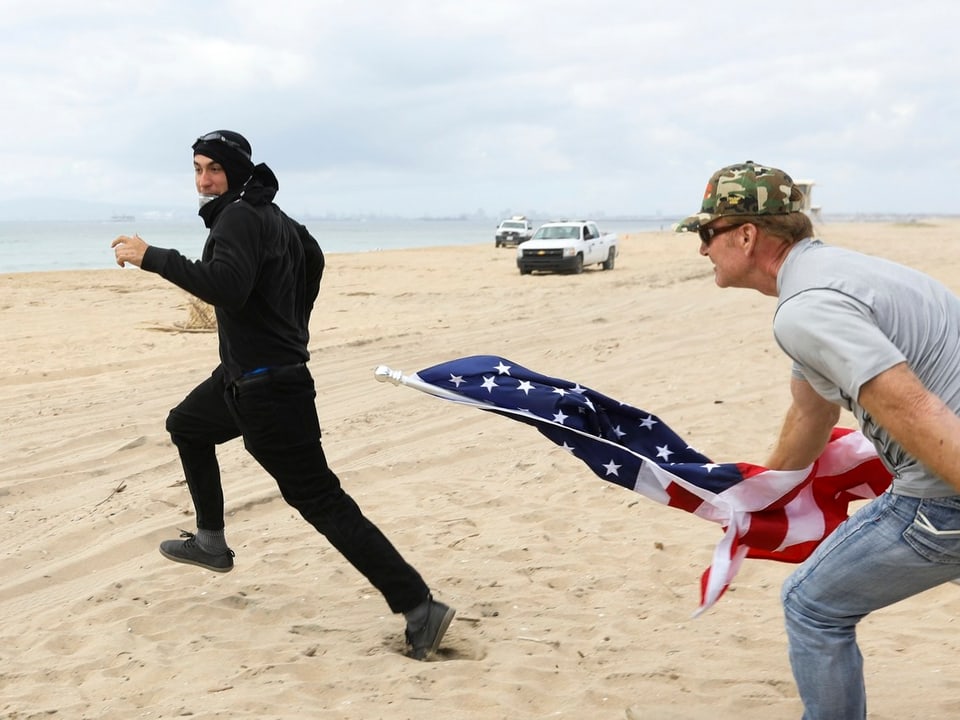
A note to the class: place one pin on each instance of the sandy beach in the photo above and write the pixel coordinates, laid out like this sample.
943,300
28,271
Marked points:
574,596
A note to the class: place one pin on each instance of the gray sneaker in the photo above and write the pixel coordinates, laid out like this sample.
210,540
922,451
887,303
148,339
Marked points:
424,641
187,551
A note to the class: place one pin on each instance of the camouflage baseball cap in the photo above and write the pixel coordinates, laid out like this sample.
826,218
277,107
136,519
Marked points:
745,189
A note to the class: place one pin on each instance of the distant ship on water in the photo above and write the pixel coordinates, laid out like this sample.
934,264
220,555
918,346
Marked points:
122,218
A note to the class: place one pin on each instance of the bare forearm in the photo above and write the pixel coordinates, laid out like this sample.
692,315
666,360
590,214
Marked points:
806,429
934,439
802,438
923,425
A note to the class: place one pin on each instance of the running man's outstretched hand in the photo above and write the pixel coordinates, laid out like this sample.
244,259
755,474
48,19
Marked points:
129,250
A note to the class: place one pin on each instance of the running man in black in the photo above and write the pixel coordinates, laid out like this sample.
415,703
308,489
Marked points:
261,271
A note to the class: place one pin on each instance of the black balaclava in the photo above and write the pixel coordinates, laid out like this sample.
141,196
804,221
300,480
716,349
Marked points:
232,151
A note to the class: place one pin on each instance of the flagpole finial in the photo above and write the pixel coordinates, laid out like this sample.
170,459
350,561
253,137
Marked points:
385,374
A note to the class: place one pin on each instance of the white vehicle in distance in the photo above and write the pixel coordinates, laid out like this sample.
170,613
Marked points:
567,246
513,231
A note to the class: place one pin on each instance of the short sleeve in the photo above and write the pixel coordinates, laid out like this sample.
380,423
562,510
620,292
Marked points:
835,341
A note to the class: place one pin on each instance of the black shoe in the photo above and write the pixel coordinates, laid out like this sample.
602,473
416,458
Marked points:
187,551
424,641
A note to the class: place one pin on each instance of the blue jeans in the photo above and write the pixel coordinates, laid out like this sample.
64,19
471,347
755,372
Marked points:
890,549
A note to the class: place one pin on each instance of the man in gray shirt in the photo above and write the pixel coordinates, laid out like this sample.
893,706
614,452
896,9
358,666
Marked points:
883,341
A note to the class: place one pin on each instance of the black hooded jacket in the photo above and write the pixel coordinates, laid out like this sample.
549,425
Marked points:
260,270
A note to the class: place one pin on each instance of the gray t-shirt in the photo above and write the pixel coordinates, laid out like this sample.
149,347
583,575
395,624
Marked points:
845,317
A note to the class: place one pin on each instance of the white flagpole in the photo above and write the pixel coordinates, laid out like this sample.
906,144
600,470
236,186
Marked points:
396,377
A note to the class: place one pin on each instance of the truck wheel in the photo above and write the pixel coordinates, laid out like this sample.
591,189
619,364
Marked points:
496,243
611,259
577,265
524,270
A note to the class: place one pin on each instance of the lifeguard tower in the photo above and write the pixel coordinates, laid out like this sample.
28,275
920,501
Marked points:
806,187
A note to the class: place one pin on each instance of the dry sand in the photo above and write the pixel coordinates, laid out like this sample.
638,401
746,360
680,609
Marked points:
574,597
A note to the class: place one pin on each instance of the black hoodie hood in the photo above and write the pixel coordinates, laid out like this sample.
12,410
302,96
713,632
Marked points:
260,189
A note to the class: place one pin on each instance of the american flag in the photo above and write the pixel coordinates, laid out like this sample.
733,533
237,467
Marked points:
770,514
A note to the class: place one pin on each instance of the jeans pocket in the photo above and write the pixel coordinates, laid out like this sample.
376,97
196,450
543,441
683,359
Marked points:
935,530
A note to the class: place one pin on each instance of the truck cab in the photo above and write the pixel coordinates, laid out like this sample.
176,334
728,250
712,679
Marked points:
567,246
513,231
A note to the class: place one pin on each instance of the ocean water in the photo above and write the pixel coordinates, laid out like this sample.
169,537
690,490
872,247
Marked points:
85,245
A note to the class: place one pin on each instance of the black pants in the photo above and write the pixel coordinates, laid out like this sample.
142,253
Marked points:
275,414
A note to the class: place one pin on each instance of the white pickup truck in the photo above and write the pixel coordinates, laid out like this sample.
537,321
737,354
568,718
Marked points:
567,246
513,231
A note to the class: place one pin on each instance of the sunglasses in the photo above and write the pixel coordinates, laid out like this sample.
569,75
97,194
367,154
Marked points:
219,137
707,234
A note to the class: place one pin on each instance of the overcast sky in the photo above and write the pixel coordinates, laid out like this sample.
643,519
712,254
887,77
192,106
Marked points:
448,106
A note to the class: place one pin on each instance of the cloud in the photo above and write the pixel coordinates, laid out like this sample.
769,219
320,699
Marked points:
410,107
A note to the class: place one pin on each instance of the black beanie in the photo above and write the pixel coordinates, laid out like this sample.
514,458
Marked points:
232,151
